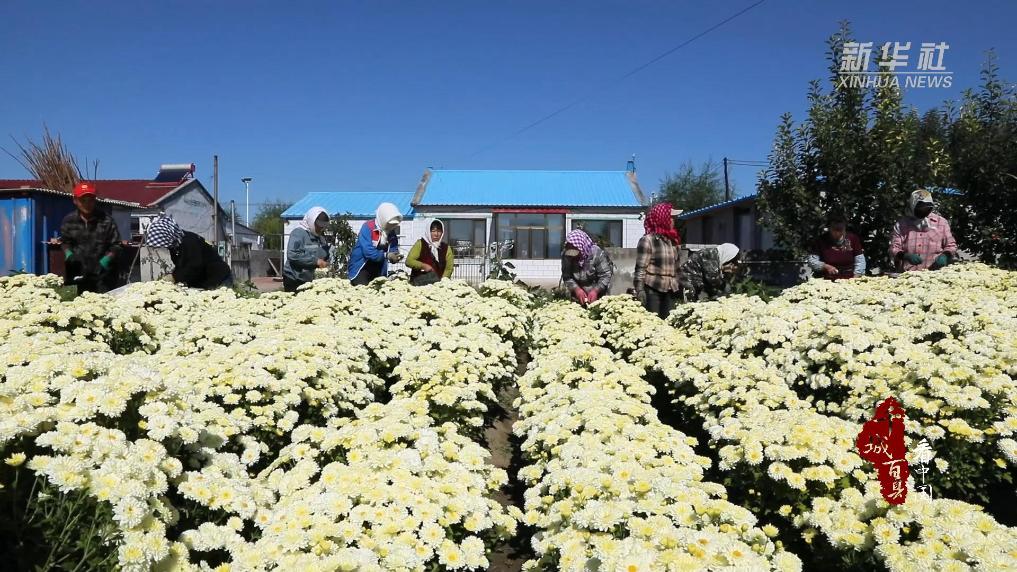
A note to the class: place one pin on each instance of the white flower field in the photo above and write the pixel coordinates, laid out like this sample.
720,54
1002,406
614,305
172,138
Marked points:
348,428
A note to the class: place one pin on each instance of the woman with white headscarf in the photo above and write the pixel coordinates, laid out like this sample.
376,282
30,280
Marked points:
705,275
377,245
196,263
306,250
430,259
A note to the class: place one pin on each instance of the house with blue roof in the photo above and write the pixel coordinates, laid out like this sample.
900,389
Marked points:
531,209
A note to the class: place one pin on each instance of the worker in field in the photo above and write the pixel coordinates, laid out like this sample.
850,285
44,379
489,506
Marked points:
837,254
306,250
585,268
90,242
707,273
430,260
655,279
377,245
196,263
921,240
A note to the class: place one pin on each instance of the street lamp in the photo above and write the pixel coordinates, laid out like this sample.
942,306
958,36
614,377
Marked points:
247,186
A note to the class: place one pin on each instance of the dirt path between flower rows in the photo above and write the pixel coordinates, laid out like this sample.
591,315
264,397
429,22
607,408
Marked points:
505,454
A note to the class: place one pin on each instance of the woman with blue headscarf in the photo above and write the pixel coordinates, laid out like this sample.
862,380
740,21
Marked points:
196,263
585,268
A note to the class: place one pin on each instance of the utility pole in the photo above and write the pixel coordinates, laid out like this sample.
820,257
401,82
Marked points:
247,187
727,186
233,221
215,199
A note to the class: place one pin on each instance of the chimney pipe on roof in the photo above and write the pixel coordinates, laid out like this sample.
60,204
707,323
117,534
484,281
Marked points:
631,165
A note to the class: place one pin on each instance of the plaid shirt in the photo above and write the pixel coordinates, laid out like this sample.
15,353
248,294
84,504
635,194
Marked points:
656,264
928,243
88,241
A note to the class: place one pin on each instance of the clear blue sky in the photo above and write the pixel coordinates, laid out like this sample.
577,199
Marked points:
318,96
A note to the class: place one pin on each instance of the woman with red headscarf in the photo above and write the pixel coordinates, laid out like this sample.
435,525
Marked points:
656,276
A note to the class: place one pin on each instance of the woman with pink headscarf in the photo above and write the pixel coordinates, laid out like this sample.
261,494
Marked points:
656,279
585,268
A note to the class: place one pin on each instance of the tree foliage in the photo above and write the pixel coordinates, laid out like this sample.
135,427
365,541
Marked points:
982,143
269,223
690,188
858,153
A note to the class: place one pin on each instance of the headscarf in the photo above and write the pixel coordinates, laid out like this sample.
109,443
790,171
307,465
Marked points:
435,246
386,213
919,196
582,241
164,232
727,252
658,221
310,217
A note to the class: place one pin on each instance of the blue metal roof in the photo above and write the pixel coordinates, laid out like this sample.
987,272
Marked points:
359,204
531,188
705,210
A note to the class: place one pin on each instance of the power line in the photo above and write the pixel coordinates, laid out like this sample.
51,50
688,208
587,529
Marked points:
627,75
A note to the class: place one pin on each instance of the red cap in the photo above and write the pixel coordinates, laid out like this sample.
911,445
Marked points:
82,189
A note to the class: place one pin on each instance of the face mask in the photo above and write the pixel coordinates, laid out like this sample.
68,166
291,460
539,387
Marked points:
572,253
923,210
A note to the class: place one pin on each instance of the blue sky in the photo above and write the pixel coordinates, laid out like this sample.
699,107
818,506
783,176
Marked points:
318,96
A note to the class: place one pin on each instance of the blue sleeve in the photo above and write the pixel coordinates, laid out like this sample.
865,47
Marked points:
367,245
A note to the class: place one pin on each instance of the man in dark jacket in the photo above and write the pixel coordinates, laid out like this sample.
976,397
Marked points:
91,242
196,263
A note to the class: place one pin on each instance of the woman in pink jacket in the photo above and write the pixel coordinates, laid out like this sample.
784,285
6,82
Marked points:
922,240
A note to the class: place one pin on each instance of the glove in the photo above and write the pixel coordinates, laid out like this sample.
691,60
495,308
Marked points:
941,261
67,254
394,257
580,295
641,296
913,258
106,262
592,296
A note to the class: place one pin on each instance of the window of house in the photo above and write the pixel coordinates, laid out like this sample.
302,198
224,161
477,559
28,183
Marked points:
605,233
534,235
467,237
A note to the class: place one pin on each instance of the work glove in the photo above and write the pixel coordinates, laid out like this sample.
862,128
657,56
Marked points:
394,257
641,296
941,261
106,262
580,295
913,258
67,254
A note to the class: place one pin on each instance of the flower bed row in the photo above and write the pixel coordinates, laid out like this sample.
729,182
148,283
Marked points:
221,431
782,388
610,486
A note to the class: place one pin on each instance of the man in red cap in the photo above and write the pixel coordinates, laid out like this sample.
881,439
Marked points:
90,242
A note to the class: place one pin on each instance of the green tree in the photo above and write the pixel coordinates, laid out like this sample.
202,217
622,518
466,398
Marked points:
690,188
269,223
858,153
983,150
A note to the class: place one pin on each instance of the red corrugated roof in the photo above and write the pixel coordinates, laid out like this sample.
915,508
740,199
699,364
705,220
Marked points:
143,192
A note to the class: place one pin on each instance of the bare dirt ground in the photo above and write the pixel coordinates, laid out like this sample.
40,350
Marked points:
506,454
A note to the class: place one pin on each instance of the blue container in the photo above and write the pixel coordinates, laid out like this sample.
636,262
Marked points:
27,220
